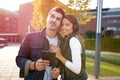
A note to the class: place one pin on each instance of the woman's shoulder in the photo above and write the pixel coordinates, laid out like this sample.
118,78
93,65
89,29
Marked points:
74,39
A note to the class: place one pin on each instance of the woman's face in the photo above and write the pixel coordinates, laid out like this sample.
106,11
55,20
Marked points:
67,27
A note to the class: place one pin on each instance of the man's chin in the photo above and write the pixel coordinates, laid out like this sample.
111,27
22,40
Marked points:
52,29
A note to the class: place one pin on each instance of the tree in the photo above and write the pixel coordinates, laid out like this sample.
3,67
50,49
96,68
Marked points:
108,33
90,34
79,8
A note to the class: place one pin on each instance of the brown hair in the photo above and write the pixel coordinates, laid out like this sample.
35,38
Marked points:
57,9
74,21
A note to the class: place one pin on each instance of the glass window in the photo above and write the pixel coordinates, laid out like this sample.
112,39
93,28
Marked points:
110,21
113,28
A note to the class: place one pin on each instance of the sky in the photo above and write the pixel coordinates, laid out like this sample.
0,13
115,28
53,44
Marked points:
13,5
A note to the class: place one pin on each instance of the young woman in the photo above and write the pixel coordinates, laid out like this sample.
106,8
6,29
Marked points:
72,53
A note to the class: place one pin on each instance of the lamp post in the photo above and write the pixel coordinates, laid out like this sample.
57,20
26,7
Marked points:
98,38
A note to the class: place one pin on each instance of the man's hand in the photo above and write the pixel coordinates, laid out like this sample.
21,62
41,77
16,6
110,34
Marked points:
41,64
55,72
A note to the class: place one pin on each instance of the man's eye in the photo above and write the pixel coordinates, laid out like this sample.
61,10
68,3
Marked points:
58,19
52,16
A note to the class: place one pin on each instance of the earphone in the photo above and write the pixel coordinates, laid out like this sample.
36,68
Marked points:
75,25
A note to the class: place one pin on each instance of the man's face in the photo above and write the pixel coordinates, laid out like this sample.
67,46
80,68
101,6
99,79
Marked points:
54,20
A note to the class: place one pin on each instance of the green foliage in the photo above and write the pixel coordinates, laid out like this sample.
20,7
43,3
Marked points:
110,44
79,8
109,58
90,34
90,44
114,59
107,44
106,69
108,33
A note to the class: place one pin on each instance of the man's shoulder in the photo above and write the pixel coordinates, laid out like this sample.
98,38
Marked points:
37,32
34,33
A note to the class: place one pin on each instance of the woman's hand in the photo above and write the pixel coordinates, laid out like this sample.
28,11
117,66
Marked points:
56,50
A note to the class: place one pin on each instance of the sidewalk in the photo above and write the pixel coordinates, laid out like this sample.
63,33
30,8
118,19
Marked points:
9,70
103,52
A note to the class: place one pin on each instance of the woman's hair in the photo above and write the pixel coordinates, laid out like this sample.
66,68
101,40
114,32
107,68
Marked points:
74,21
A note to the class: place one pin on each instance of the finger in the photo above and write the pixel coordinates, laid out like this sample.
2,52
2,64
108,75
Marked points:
52,47
53,69
41,68
39,63
46,62
54,75
54,72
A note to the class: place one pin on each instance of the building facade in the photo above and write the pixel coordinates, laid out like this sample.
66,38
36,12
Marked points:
24,19
15,27
8,21
110,21
8,25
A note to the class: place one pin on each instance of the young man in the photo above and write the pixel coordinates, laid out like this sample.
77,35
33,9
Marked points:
29,58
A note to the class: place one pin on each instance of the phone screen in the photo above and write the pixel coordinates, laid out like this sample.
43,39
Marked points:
49,56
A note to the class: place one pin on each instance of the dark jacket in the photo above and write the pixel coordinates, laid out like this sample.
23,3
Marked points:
31,49
68,74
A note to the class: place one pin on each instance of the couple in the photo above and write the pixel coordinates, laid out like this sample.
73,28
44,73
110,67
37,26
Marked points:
70,57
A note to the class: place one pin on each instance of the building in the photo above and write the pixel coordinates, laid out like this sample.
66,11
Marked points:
14,27
8,25
24,18
110,21
8,21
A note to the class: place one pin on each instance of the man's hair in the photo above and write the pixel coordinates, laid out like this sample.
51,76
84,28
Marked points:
57,9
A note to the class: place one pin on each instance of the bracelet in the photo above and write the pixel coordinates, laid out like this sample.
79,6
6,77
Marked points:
35,65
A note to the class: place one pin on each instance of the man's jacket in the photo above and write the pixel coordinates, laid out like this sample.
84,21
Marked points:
31,50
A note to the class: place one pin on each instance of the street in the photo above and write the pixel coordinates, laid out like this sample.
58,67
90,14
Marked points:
8,68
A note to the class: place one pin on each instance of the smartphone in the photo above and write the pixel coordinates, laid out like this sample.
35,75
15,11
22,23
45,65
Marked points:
47,55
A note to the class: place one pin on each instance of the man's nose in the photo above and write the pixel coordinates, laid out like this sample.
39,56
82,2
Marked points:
54,19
